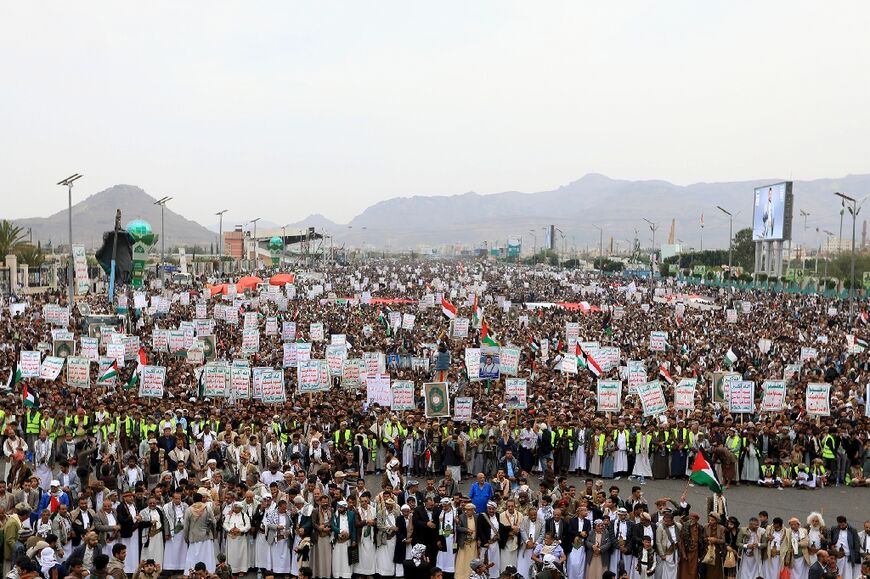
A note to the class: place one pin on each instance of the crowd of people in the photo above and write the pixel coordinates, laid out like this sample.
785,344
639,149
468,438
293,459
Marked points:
100,481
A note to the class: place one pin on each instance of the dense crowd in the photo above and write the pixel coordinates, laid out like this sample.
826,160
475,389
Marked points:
101,481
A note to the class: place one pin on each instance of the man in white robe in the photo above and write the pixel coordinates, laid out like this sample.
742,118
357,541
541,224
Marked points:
153,533
667,540
237,525
175,549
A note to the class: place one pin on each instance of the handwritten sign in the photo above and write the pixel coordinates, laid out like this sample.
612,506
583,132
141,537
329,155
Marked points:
153,378
569,364
462,408
116,351
288,331
509,361
335,356
353,372
250,341
636,374
90,348
309,376
741,397
652,398
51,367
408,321
315,332
216,378
378,391
403,395
460,327
684,394
29,363
731,316
808,354
609,395
773,399
375,363
818,402
78,372
516,393
240,381
658,341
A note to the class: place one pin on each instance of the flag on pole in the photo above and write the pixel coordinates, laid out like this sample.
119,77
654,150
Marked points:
476,314
585,360
141,362
110,373
702,474
14,373
665,375
730,357
29,397
487,337
448,309
702,220
382,318
534,345
605,324
862,317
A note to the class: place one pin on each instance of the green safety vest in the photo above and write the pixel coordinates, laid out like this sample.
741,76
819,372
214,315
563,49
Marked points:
32,421
48,425
347,437
74,420
734,444
570,434
828,447
278,429
146,429
767,470
600,444
128,425
105,430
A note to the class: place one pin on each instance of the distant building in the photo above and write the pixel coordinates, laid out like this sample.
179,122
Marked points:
234,243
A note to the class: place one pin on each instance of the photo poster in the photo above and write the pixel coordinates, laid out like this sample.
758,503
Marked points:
721,383
516,393
437,399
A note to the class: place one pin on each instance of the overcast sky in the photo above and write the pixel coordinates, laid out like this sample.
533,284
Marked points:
281,109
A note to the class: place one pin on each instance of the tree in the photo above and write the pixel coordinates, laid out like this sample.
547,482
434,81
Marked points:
31,255
744,249
11,238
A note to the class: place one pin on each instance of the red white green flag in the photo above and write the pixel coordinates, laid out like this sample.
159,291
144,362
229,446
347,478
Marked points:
703,475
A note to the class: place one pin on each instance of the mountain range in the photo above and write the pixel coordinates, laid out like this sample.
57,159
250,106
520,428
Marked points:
619,207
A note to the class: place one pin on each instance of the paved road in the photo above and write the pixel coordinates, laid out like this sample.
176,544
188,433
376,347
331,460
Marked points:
745,501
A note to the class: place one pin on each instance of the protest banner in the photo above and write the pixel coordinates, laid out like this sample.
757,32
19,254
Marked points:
338,339
658,341
315,332
51,367
271,325
720,385
460,327
609,395
376,363
152,381
288,331
309,374
273,386
773,399
250,341
608,358
56,315
636,374
160,340
731,316
402,395
509,361
419,364
572,332
745,306
472,364
516,393
569,364
288,358
791,371
741,397
408,321
652,398
215,378
78,372
437,399
618,312
29,362
684,394
90,348
240,381
201,310
818,399
353,372
250,321
462,408
231,315
116,351
808,354
378,391
335,356
131,346
176,341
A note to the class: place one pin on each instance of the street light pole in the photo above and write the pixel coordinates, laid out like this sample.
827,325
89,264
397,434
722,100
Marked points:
162,203
220,215
68,183
730,233
854,210
600,249
652,227
254,221
829,235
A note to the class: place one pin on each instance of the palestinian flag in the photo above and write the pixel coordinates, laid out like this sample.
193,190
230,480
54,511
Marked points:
534,345
14,374
382,319
860,342
110,373
605,324
703,475
862,317
448,309
587,361
665,375
730,357
486,336
29,397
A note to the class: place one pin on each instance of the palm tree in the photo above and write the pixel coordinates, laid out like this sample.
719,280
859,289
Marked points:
11,238
30,254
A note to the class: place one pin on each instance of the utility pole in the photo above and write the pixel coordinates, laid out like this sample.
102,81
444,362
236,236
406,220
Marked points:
68,183
600,249
220,215
730,233
162,203
829,235
254,221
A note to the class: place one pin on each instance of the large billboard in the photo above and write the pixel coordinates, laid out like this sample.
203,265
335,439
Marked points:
772,212
549,237
514,246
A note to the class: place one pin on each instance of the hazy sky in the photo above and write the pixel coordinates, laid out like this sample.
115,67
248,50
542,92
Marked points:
281,109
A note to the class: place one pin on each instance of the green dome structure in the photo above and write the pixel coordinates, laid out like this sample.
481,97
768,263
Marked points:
276,243
140,230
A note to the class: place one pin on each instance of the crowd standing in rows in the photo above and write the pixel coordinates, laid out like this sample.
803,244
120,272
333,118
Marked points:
99,480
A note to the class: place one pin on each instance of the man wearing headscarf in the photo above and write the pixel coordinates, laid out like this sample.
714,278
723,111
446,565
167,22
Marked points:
344,537
237,525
